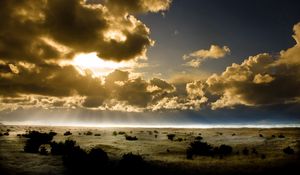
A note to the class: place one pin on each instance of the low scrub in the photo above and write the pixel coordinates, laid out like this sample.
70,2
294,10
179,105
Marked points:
199,148
131,138
67,133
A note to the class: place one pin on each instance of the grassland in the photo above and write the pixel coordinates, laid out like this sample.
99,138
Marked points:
162,154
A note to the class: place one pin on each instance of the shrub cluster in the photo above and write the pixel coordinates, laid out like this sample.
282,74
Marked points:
36,139
200,148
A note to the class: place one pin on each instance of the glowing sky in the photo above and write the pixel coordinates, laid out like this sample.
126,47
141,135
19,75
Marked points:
150,61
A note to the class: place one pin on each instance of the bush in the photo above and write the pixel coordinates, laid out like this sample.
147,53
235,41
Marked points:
97,158
1,134
97,135
67,133
155,131
288,150
281,136
132,162
199,148
115,133
62,148
6,134
52,133
224,150
171,136
36,139
245,151
127,137
75,159
122,132
260,135
88,133
198,138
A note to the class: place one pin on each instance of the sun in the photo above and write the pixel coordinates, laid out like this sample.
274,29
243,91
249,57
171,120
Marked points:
98,66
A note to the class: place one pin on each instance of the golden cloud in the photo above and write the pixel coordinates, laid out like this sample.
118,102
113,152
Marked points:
214,52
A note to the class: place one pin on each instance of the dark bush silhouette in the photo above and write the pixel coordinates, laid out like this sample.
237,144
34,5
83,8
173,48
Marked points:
199,148
273,136
131,138
224,150
97,135
115,133
122,132
1,134
198,138
52,133
150,132
171,136
245,151
288,150
233,134
6,134
36,139
75,160
155,131
88,133
97,158
155,136
67,133
62,148
281,136
132,164
260,135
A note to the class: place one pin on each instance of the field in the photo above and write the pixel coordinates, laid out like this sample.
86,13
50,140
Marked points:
163,155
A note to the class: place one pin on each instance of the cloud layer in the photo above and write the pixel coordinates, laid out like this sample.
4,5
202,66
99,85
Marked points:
37,31
35,36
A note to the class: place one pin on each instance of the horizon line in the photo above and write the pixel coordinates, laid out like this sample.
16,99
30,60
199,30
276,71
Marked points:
178,126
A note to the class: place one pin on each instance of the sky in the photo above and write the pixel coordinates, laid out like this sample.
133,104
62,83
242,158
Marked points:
150,62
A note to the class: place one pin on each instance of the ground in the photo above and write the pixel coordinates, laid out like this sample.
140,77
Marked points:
155,147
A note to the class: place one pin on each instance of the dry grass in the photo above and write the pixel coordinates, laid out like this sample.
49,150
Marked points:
154,149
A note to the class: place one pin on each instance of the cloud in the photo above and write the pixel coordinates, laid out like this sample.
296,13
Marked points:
214,52
260,80
138,6
39,31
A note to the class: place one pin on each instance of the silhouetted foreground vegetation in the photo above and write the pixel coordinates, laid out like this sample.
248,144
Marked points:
36,139
288,150
96,161
199,148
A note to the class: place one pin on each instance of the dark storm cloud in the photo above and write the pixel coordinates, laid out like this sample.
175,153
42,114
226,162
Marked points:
35,31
